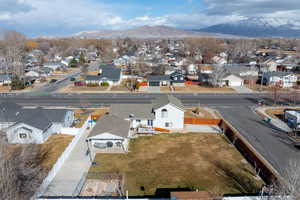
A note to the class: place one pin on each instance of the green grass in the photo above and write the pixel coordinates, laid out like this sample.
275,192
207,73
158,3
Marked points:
197,161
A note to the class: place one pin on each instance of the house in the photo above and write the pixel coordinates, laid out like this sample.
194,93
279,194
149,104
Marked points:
107,74
159,80
32,73
177,79
281,79
165,112
204,78
206,69
53,65
110,133
232,81
271,65
242,71
45,71
35,125
5,79
292,117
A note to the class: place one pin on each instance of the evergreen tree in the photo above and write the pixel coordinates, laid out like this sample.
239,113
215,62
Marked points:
81,59
73,63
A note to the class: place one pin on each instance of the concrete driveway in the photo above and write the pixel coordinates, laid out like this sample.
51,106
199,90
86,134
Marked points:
242,89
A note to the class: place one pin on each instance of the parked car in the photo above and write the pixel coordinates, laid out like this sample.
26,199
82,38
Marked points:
261,102
53,81
72,79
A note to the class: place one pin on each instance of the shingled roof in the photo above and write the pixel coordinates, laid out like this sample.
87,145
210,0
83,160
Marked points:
166,99
111,124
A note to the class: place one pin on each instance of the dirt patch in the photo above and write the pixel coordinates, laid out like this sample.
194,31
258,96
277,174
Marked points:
195,161
198,113
81,115
120,89
82,89
199,89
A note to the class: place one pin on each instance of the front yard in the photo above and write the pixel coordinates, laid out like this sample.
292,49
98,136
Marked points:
195,161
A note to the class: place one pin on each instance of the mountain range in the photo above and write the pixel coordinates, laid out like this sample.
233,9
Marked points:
251,27
258,27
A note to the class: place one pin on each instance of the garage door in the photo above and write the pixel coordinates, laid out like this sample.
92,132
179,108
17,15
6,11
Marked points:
235,83
154,83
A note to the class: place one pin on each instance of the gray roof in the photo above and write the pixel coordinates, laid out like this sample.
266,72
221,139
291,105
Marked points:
9,111
277,73
41,118
111,124
159,78
5,77
167,99
141,111
108,72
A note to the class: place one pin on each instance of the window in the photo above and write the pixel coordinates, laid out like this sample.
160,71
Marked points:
23,135
150,122
164,113
168,124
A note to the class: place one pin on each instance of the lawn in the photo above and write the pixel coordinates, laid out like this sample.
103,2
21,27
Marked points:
196,161
53,148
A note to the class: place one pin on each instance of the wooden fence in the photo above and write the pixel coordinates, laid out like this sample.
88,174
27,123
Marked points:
200,121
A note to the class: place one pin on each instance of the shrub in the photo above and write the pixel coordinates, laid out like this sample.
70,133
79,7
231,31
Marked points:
104,84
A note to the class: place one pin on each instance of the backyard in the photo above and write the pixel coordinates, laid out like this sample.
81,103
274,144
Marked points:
195,161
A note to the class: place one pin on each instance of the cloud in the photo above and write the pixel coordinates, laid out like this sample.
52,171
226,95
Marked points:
249,7
14,6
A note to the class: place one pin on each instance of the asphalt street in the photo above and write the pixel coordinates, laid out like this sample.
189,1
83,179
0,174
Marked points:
273,144
91,100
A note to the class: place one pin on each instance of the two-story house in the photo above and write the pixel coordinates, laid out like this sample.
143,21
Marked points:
281,79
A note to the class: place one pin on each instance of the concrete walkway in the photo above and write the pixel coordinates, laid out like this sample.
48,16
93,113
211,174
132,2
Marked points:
274,121
242,89
67,179
201,129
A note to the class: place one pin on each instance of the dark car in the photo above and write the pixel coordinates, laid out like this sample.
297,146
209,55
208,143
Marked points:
261,102
53,81
72,79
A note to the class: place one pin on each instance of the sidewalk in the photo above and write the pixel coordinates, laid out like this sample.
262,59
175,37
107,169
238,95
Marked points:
242,89
274,121
78,163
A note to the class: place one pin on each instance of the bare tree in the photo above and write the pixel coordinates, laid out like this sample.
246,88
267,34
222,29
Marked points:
20,171
217,75
289,186
14,49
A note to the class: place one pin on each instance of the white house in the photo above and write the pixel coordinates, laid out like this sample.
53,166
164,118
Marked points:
110,133
23,126
232,81
165,112
281,79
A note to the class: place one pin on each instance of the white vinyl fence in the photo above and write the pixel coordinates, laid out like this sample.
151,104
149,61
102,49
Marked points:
64,156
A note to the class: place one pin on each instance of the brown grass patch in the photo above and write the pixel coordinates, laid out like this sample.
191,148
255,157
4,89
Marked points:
196,161
199,89
53,148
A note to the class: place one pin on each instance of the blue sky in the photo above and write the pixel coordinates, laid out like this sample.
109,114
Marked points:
62,17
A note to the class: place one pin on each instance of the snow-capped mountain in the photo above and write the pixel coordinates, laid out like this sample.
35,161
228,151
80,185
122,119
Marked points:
258,27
